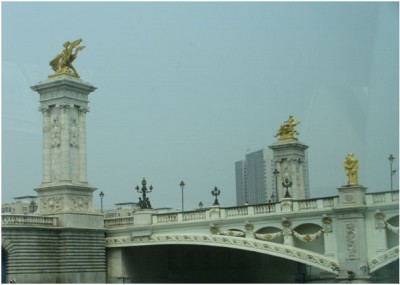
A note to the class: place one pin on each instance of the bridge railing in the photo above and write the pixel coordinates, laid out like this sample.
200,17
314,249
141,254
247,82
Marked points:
166,218
28,220
250,210
382,197
179,217
241,211
194,215
315,204
119,222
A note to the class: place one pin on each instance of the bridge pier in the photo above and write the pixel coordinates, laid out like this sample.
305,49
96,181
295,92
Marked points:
116,269
330,244
351,238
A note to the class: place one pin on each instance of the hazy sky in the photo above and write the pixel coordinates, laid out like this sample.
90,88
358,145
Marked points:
187,89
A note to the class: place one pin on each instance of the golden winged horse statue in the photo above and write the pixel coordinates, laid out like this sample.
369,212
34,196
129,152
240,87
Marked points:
286,131
62,62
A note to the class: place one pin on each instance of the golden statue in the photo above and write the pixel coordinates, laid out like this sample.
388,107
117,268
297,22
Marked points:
62,62
351,169
286,132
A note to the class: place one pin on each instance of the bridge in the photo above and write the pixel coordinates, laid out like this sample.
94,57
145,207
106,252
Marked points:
353,232
349,237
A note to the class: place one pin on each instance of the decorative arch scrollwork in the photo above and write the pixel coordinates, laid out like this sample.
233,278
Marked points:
381,223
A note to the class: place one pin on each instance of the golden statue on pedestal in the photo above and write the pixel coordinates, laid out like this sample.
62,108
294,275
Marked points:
286,132
351,169
62,62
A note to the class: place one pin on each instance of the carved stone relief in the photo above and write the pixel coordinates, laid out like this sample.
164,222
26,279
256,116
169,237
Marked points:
74,134
327,224
80,203
351,240
51,204
56,133
379,220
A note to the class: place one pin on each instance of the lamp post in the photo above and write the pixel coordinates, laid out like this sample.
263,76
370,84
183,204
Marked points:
276,173
101,200
216,193
182,185
286,183
32,207
392,172
272,198
144,203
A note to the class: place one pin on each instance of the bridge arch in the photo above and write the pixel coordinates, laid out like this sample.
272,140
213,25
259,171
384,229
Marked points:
384,259
279,250
182,263
390,256
4,257
6,250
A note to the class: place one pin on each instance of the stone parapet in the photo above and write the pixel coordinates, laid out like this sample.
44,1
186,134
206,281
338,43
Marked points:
54,255
28,221
352,196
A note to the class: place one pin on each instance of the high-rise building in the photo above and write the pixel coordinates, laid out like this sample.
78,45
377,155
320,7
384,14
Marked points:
254,178
241,194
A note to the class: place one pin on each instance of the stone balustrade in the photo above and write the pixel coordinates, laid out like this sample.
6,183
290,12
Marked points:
119,222
165,218
202,215
228,212
237,211
28,220
194,215
382,197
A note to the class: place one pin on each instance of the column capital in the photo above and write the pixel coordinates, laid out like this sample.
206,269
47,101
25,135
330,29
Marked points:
45,110
84,109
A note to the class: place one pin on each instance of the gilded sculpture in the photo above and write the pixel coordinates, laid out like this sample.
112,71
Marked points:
62,62
286,131
351,169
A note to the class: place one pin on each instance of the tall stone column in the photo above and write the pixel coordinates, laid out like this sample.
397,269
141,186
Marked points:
46,145
64,191
65,148
291,161
82,144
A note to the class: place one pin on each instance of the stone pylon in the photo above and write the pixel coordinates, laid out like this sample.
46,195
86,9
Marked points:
64,190
291,161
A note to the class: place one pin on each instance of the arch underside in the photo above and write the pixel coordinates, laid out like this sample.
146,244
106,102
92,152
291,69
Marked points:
264,247
6,245
383,259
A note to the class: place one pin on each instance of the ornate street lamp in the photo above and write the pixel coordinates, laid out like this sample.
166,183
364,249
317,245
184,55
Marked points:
392,172
182,185
216,193
286,184
276,173
32,207
272,198
101,200
144,202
